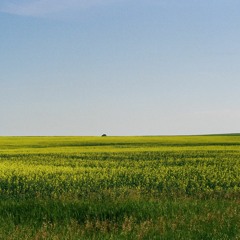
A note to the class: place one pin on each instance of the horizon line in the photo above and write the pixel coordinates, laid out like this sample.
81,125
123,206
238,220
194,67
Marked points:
164,135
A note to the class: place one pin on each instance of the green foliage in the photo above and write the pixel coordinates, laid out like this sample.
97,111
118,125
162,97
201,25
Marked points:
120,187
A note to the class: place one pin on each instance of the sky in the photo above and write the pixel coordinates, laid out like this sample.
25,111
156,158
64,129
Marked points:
119,67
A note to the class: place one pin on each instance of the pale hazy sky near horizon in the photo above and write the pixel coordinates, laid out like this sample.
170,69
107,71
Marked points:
120,67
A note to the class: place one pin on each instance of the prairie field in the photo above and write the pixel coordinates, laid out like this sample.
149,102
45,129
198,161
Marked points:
168,187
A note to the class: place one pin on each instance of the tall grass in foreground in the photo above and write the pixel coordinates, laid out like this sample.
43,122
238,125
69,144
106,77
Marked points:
120,187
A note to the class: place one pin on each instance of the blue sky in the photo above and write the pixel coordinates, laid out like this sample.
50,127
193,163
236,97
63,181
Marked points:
146,67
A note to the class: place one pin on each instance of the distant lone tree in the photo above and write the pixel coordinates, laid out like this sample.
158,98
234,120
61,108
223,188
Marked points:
104,135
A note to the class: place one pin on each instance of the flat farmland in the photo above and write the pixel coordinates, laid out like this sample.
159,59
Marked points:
178,187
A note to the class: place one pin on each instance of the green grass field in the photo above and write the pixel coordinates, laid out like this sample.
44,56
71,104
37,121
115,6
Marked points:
183,187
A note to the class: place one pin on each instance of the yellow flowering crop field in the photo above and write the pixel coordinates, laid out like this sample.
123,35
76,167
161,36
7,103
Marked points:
172,187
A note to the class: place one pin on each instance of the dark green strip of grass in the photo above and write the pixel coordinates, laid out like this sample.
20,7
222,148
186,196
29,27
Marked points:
197,219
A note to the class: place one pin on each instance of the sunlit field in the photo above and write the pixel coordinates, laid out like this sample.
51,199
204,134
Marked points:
183,187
